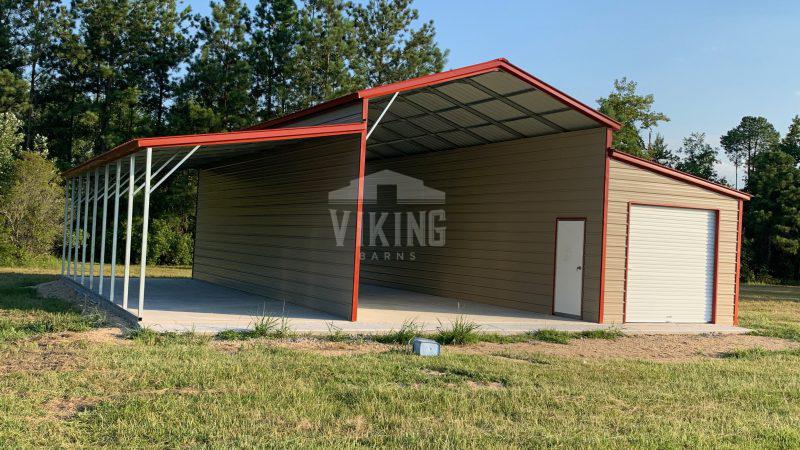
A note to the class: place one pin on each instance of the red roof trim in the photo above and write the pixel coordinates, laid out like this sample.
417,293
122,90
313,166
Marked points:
430,80
490,66
330,104
442,77
676,174
236,137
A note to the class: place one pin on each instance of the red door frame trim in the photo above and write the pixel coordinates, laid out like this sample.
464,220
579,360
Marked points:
715,282
738,266
555,265
362,164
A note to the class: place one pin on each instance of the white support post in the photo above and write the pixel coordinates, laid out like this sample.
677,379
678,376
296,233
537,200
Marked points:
131,179
77,227
103,232
64,244
85,229
94,227
145,219
112,288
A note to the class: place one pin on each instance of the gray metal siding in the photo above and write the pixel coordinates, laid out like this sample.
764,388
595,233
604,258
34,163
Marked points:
263,225
502,201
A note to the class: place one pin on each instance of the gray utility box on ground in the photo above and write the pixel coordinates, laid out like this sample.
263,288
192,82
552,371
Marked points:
425,347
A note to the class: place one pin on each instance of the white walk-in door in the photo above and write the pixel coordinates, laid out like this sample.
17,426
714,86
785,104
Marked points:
569,267
671,259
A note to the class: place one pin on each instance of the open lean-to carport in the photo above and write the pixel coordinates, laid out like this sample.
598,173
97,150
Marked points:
508,202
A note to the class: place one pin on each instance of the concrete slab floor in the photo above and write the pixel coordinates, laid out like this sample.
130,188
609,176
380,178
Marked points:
182,304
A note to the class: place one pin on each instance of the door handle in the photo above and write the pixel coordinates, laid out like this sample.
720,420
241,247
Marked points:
579,268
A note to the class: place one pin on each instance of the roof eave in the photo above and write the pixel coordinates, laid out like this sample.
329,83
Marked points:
211,139
677,174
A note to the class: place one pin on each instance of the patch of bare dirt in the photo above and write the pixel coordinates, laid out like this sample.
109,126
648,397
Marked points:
662,347
648,347
55,351
67,408
37,356
319,346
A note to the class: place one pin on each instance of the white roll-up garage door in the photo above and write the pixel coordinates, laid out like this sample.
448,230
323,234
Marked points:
671,258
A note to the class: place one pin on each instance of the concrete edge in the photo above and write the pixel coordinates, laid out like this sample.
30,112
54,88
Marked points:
73,292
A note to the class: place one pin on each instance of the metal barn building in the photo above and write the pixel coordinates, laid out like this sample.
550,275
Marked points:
541,216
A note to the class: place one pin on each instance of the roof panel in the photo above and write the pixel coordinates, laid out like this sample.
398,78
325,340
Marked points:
462,117
530,127
571,120
430,101
463,92
498,110
501,82
399,108
404,129
433,142
431,123
461,138
537,101
493,133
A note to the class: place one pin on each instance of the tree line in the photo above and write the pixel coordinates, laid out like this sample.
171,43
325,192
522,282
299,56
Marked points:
769,165
79,78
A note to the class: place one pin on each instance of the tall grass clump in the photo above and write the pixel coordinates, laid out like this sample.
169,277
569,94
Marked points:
408,331
460,332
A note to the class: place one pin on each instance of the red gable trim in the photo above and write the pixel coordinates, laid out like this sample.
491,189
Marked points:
237,137
442,77
677,174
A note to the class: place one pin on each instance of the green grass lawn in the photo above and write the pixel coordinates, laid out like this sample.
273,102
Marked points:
58,391
771,310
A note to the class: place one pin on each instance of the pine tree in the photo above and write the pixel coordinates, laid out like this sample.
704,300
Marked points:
325,46
699,158
42,23
389,48
660,152
215,94
11,57
772,217
752,136
165,39
791,142
272,55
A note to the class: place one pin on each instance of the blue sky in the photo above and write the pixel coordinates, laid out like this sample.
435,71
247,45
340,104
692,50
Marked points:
708,63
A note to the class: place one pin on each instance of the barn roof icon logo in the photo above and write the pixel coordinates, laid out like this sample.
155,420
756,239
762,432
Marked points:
410,190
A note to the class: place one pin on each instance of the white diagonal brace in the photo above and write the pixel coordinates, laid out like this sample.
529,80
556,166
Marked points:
174,168
385,110
156,172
